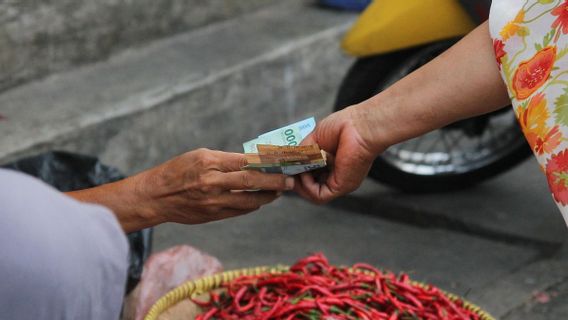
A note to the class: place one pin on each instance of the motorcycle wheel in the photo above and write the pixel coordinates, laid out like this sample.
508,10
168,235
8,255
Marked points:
454,157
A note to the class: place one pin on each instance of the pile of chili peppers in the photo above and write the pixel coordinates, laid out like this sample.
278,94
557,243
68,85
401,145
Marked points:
313,289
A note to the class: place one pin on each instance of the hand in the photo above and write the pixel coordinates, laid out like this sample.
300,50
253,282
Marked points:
196,187
347,137
205,185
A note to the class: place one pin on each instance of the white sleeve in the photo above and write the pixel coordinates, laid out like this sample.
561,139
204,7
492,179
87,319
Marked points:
59,258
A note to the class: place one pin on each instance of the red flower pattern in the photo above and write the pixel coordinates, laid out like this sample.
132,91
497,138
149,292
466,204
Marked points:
562,21
499,48
556,174
533,73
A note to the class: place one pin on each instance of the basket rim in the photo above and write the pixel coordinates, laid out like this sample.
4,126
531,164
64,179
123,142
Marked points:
193,288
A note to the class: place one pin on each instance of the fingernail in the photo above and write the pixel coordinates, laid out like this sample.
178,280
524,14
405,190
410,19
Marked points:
289,183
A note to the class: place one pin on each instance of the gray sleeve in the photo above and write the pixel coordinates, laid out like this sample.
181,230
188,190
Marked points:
59,259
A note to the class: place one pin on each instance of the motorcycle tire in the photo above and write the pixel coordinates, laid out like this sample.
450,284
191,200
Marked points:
370,75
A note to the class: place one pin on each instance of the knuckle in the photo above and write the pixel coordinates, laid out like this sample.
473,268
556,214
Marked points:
205,188
202,150
247,180
203,184
204,156
242,161
197,153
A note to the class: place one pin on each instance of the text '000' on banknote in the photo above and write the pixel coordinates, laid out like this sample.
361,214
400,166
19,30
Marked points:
290,135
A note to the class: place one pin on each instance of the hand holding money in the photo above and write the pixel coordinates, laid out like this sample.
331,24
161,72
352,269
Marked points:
345,136
278,151
196,187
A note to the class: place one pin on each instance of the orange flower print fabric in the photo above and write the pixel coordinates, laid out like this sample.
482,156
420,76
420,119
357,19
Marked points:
533,73
533,119
530,43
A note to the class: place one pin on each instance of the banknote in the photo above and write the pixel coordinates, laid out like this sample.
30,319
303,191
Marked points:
279,150
289,160
290,135
287,170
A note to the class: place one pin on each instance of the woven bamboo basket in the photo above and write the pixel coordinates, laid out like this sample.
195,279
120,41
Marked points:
192,289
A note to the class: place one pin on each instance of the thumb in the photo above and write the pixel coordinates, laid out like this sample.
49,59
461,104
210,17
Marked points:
327,133
308,140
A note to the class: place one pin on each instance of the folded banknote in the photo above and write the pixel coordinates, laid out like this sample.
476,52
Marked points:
289,160
279,151
290,135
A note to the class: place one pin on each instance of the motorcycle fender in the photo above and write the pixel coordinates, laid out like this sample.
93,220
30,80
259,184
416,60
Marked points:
389,25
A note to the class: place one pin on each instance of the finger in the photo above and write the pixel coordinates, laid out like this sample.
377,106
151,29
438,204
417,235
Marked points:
325,134
253,180
348,171
246,200
299,187
313,190
308,140
312,185
229,161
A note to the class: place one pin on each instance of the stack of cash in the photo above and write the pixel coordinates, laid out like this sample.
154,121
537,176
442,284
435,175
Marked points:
289,160
278,151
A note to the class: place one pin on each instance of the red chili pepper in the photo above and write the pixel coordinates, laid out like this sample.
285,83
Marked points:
314,289
207,315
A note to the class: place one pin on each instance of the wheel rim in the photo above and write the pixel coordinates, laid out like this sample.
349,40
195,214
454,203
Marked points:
452,150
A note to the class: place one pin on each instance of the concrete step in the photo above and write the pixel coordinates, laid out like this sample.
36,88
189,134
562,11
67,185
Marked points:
41,37
214,87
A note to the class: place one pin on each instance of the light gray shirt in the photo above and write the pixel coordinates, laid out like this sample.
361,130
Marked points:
59,259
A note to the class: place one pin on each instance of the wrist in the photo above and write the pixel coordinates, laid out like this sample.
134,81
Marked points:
125,198
376,126
144,210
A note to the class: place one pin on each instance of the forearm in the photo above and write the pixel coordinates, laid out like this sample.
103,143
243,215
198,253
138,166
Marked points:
462,82
131,209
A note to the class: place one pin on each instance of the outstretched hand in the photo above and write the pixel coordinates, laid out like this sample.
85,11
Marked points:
195,187
206,185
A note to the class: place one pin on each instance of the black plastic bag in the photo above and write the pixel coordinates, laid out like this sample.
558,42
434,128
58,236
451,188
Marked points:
67,172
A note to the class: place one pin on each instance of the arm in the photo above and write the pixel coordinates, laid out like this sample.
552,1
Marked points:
196,187
462,82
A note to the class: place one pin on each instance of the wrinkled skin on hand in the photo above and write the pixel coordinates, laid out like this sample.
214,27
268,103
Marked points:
206,185
346,135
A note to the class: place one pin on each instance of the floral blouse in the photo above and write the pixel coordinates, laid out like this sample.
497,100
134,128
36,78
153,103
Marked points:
530,42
